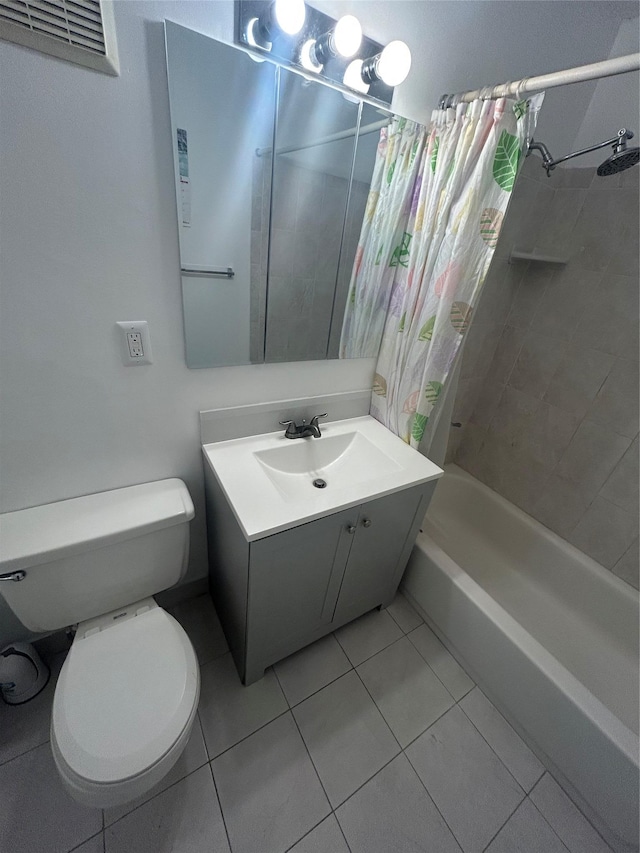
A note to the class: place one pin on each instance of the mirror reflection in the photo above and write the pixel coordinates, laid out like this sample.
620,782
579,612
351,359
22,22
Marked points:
311,177
272,177
222,108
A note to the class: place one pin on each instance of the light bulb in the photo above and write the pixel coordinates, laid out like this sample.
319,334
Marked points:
290,15
347,35
252,28
308,57
353,77
394,63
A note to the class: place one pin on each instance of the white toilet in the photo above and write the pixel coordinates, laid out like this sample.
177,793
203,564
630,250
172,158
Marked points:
128,691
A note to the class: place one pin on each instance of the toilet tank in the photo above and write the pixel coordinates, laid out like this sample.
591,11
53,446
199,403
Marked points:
86,556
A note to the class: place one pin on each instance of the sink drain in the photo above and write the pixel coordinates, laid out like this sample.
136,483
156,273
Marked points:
320,483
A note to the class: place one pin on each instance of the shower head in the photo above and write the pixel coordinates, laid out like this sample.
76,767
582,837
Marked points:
622,157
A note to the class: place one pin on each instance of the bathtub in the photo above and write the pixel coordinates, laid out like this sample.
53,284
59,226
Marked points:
548,633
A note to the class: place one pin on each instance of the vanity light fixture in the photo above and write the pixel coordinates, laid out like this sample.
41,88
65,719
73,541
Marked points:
343,40
286,16
353,77
391,65
337,52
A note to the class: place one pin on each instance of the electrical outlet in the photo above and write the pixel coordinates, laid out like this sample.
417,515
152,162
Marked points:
136,344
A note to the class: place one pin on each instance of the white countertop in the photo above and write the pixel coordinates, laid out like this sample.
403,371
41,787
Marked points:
261,502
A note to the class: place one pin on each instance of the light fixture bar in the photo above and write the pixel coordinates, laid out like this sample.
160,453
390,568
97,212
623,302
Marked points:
322,47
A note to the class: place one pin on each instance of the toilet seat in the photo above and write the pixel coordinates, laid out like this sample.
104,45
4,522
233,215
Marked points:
124,703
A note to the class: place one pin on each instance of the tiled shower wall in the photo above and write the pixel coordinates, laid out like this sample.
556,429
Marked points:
548,395
308,210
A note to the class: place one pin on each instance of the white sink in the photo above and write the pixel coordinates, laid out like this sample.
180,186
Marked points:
304,464
269,479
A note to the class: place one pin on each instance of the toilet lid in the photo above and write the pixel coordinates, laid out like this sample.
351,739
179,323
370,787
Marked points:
124,697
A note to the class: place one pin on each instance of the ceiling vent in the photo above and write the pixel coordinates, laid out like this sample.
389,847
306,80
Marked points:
80,31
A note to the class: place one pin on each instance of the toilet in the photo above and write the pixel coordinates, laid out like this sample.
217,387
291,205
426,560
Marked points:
127,694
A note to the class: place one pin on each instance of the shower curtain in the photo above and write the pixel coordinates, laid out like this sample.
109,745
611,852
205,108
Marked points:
436,205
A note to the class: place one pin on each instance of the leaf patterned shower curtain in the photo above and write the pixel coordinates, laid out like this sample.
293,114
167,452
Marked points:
438,197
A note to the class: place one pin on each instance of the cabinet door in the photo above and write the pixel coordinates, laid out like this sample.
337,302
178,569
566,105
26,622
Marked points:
294,578
381,547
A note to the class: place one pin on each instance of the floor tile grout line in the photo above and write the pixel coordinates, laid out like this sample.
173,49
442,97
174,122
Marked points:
333,680
245,737
224,820
295,722
84,841
502,826
454,703
153,797
560,839
406,633
578,809
522,788
378,709
366,782
342,830
308,832
437,719
26,752
376,652
435,805
433,670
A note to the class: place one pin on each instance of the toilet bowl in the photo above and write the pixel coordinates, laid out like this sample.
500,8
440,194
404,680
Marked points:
128,691
124,704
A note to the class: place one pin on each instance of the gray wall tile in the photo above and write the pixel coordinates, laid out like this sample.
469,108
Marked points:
578,379
605,532
610,321
591,456
622,486
569,340
561,505
506,353
539,359
529,294
560,220
563,302
628,566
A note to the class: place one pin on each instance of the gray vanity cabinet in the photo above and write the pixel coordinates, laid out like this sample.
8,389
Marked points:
277,594
294,581
375,564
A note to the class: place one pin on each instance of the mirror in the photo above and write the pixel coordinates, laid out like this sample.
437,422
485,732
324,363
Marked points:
311,177
222,108
272,176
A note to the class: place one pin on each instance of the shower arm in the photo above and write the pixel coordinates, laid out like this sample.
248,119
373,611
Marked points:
550,163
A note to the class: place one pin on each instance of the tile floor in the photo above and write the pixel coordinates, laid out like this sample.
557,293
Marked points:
372,740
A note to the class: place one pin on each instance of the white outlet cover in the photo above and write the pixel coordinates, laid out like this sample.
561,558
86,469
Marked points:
140,327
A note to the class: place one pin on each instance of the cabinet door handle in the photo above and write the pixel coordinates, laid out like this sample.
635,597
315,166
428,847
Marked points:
351,529
366,522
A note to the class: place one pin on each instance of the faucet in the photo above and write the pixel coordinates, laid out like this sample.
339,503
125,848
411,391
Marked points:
303,430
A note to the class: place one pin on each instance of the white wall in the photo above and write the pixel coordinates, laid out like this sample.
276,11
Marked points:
615,102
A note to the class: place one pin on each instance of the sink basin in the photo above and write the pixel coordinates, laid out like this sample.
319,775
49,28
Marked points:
294,467
269,479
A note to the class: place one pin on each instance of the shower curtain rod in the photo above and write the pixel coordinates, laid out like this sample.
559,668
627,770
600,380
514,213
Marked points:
333,137
607,68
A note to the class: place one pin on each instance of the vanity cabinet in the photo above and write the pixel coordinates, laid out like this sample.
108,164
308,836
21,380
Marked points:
279,593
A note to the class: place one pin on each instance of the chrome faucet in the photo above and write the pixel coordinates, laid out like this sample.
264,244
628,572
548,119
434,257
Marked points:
303,430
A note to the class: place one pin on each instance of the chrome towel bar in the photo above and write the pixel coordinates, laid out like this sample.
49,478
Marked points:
228,273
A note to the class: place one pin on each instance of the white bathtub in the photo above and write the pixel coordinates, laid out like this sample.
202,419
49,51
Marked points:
550,635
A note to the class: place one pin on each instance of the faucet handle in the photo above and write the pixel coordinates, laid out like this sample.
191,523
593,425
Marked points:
285,423
314,419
